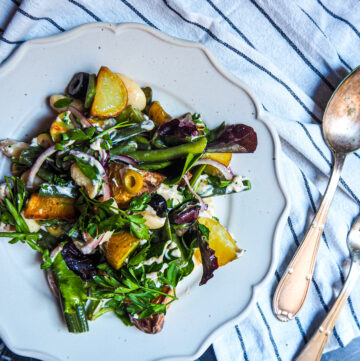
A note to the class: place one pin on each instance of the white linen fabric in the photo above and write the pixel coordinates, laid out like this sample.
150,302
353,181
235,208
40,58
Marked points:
293,54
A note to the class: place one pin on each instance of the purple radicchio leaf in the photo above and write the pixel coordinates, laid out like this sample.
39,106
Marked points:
236,138
178,129
187,213
81,264
208,258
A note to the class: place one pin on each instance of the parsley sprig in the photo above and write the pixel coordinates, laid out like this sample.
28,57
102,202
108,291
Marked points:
130,291
10,213
99,217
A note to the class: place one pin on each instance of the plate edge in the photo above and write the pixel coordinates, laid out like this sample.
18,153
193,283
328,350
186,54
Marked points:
16,56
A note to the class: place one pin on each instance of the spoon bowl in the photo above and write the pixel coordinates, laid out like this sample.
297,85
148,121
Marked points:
353,240
341,121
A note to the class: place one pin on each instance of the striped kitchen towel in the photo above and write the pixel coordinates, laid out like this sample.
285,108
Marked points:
293,54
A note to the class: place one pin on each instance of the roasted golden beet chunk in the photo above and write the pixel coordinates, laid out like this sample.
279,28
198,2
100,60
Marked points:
42,208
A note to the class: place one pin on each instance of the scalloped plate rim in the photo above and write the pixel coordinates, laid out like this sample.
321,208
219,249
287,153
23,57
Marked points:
16,57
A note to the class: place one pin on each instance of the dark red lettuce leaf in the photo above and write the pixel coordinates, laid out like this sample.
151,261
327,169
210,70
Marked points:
208,258
176,131
236,138
81,264
187,213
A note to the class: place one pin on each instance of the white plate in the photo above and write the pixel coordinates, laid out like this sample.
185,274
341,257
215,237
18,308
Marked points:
184,77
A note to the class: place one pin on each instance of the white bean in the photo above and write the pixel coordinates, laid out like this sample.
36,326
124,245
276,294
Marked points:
76,103
136,96
152,220
83,181
12,148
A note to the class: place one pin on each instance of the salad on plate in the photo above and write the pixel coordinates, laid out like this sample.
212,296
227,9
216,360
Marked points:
116,196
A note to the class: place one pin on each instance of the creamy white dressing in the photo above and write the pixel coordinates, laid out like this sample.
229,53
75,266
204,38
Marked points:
236,185
204,187
176,253
4,192
96,146
154,277
170,192
142,242
115,182
133,168
34,142
210,211
147,125
65,191
152,260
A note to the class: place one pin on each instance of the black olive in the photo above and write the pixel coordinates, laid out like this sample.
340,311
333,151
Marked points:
78,85
158,202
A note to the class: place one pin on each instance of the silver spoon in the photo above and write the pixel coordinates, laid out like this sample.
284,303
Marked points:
341,130
315,347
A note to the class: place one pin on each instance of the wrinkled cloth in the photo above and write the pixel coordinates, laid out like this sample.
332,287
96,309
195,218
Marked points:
293,54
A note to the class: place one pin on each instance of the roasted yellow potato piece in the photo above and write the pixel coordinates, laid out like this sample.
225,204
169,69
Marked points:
220,240
42,208
136,96
157,114
151,182
223,158
119,247
111,95
61,125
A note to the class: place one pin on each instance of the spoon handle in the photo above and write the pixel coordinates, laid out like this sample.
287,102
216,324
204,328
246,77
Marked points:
314,348
293,288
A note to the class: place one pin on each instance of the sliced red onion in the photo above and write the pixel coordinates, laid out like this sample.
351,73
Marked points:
125,158
37,165
56,250
103,156
50,277
83,120
106,189
225,171
186,179
91,243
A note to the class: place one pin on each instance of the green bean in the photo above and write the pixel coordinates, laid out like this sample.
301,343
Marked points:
142,142
179,151
148,94
91,91
195,179
153,166
124,148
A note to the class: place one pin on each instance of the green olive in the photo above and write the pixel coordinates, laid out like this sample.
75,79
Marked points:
44,140
17,169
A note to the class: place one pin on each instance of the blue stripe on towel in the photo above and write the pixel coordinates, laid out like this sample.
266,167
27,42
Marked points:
260,67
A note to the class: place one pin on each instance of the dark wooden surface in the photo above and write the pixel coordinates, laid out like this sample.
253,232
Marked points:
350,353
